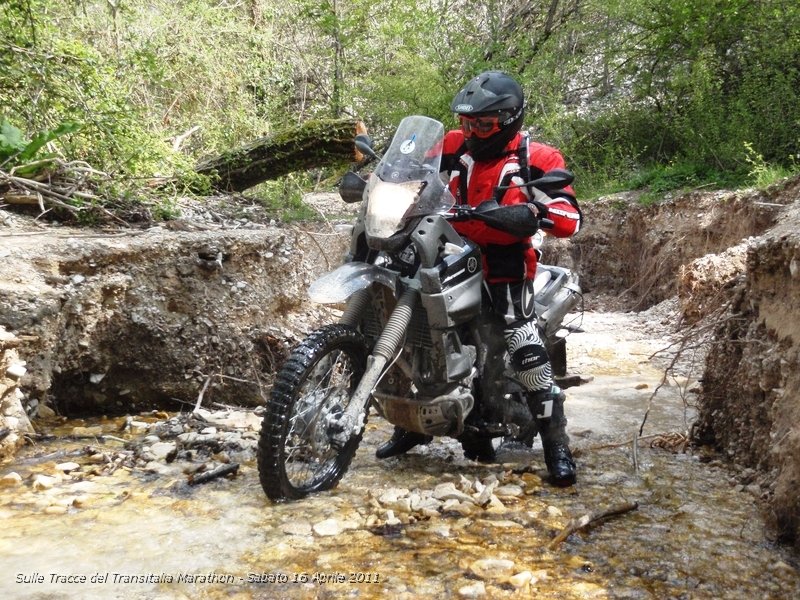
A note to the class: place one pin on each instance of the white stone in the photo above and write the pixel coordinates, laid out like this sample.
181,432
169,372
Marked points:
392,495
520,580
492,568
508,491
44,482
328,527
16,370
473,590
10,479
161,449
553,512
448,491
296,528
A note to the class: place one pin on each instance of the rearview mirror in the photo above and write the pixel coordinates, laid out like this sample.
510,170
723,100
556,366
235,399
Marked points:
364,145
351,187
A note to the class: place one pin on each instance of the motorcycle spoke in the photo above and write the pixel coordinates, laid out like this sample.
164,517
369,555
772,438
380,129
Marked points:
308,449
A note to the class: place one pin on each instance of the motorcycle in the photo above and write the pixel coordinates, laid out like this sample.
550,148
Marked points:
415,341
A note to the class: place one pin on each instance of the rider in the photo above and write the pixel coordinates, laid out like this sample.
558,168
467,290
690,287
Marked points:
483,154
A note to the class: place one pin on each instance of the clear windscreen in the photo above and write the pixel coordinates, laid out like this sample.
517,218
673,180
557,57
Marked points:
406,183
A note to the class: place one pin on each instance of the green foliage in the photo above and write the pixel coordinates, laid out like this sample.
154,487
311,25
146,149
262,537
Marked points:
654,93
284,198
14,149
762,174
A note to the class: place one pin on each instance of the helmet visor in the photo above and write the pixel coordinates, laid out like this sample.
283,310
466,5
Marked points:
486,125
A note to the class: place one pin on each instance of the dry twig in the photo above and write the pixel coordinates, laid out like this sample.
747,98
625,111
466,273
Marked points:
592,517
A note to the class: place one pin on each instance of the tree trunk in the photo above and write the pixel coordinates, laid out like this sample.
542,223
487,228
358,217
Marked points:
311,144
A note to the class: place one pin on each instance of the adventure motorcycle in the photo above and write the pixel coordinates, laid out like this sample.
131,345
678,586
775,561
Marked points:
415,339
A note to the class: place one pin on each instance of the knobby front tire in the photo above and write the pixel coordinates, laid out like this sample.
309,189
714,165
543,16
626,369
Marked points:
296,456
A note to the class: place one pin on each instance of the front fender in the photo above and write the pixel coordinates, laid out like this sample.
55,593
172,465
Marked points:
341,283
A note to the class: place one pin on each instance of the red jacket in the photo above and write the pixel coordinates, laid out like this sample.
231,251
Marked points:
506,257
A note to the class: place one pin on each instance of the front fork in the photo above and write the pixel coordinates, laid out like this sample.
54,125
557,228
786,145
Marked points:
386,346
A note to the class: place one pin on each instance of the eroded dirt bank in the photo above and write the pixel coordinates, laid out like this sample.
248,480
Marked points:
115,322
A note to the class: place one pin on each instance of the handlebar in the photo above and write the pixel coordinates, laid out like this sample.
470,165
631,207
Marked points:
463,212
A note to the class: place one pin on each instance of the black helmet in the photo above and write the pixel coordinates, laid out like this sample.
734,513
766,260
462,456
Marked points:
491,108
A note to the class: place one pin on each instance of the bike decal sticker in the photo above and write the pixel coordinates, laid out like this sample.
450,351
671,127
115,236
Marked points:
409,145
526,301
472,264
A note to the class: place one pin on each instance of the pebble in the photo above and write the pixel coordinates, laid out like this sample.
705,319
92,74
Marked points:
45,412
160,450
66,467
448,491
297,528
328,527
473,590
87,431
484,496
508,491
492,568
553,512
520,580
10,479
44,482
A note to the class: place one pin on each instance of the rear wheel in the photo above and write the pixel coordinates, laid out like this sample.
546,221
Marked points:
298,450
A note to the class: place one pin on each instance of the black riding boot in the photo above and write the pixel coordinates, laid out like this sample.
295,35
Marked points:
401,442
548,409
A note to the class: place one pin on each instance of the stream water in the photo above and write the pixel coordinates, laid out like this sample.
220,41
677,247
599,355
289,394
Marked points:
73,526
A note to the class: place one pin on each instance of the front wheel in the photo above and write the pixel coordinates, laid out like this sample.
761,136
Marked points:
298,452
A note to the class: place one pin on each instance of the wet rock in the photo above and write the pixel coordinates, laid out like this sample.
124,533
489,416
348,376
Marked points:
44,482
45,412
161,450
463,508
484,495
611,478
553,512
391,519
448,491
392,495
87,431
426,505
473,590
66,467
442,531
492,568
10,479
297,528
508,491
496,506
521,580
328,527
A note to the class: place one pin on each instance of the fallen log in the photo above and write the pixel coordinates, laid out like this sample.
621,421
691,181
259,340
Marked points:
592,517
311,144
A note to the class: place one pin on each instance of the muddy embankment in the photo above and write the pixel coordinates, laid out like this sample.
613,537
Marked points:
123,321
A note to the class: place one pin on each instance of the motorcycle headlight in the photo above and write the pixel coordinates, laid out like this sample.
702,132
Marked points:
387,206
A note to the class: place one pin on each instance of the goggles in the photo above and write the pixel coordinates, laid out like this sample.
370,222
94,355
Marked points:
484,126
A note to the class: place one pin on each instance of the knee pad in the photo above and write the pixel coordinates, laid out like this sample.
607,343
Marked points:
528,357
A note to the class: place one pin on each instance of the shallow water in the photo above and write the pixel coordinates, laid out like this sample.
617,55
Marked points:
132,534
